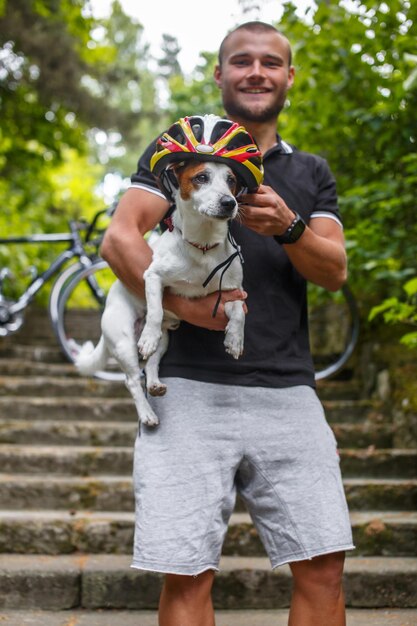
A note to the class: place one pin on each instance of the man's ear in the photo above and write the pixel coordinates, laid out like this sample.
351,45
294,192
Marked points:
291,76
217,76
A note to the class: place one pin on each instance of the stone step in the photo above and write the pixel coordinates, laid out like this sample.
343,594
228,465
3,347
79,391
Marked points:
278,617
36,353
51,432
52,532
26,367
108,582
85,387
65,408
118,409
114,493
117,433
101,460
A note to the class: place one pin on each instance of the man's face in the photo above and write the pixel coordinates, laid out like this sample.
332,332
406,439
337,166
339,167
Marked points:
255,75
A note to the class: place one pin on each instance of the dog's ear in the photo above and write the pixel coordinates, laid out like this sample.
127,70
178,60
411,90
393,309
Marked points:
168,183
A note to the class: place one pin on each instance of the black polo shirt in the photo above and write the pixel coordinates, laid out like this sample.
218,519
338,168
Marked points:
276,349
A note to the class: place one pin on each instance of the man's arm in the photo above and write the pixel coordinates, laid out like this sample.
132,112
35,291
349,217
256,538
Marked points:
129,255
124,246
319,255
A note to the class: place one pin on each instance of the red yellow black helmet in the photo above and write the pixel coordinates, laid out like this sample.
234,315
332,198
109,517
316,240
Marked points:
209,138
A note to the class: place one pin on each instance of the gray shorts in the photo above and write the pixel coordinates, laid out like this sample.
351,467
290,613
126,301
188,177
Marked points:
272,446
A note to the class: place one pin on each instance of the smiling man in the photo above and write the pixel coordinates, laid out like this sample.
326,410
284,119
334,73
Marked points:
255,426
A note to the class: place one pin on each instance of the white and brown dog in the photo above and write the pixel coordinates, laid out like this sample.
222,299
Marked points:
189,259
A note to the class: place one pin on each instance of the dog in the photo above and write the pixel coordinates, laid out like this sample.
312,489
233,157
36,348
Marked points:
194,257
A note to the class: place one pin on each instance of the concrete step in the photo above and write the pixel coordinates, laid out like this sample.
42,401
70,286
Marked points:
279,617
61,532
51,432
107,581
373,463
36,353
26,367
61,386
115,493
87,408
98,460
123,433
65,408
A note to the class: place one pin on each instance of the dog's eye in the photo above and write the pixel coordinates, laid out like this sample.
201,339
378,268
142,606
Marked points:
231,181
201,179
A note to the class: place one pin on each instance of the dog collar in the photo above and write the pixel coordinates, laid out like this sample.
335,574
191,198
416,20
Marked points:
170,225
204,249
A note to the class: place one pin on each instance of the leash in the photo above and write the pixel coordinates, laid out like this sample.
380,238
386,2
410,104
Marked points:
225,264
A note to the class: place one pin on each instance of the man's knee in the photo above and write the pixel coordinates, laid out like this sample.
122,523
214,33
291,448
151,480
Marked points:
190,588
325,572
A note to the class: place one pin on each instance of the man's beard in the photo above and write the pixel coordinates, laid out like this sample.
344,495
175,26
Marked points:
241,111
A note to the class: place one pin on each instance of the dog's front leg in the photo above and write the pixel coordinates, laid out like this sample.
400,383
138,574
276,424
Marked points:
153,384
151,334
235,329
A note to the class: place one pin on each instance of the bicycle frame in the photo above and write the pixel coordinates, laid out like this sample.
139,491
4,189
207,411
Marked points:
76,249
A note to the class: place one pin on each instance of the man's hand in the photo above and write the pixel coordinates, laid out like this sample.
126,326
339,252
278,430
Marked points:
199,311
265,212
319,255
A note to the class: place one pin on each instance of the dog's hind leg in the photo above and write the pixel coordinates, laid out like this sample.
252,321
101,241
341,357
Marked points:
153,384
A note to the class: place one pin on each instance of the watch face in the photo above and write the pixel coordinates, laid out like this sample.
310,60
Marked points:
297,231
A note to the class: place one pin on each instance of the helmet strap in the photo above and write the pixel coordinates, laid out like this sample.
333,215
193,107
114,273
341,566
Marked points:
225,265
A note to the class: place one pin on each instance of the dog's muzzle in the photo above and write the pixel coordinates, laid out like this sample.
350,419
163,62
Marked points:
227,205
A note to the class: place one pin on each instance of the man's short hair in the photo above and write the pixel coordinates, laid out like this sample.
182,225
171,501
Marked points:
254,27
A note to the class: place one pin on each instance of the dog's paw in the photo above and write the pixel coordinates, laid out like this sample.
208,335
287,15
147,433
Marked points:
148,343
148,418
157,389
233,344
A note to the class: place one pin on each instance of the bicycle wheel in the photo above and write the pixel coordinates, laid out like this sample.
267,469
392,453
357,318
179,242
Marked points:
334,329
80,303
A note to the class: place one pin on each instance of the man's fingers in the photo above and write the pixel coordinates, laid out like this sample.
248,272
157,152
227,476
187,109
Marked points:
234,294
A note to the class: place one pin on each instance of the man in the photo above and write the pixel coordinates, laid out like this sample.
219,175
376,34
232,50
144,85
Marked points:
252,426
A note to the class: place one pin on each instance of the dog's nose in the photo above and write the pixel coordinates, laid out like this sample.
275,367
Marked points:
227,202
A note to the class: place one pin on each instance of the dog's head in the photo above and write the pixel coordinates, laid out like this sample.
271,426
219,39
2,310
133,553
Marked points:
207,138
208,188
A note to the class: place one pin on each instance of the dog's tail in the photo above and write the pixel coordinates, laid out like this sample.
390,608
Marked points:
90,360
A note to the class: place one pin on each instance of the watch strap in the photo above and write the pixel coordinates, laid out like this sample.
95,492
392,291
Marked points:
293,232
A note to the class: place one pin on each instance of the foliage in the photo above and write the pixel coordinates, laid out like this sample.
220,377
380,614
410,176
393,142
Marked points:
67,80
198,95
357,107
397,311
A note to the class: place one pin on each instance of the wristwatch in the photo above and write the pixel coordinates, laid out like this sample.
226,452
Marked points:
293,232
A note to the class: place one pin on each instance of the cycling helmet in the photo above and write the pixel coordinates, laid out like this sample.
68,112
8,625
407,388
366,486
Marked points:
207,138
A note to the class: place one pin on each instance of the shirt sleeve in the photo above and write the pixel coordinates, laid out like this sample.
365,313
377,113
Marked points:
143,177
326,201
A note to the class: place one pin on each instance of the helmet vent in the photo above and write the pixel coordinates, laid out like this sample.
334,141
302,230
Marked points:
219,130
197,127
177,134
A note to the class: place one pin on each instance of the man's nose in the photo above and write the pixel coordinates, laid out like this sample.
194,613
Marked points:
256,69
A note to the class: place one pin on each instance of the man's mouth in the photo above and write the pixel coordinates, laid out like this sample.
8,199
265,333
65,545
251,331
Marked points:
255,90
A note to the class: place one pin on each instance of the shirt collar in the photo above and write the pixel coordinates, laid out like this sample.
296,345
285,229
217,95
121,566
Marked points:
281,147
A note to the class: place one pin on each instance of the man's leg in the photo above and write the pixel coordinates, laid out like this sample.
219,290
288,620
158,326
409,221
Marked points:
318,598
186,600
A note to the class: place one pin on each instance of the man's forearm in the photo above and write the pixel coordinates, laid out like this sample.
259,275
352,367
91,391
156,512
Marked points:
319,260
128,257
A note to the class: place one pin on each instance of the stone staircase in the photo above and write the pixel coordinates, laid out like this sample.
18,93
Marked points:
66,507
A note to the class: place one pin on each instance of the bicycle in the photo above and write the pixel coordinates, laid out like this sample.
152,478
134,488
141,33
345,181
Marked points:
84,239
78,297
